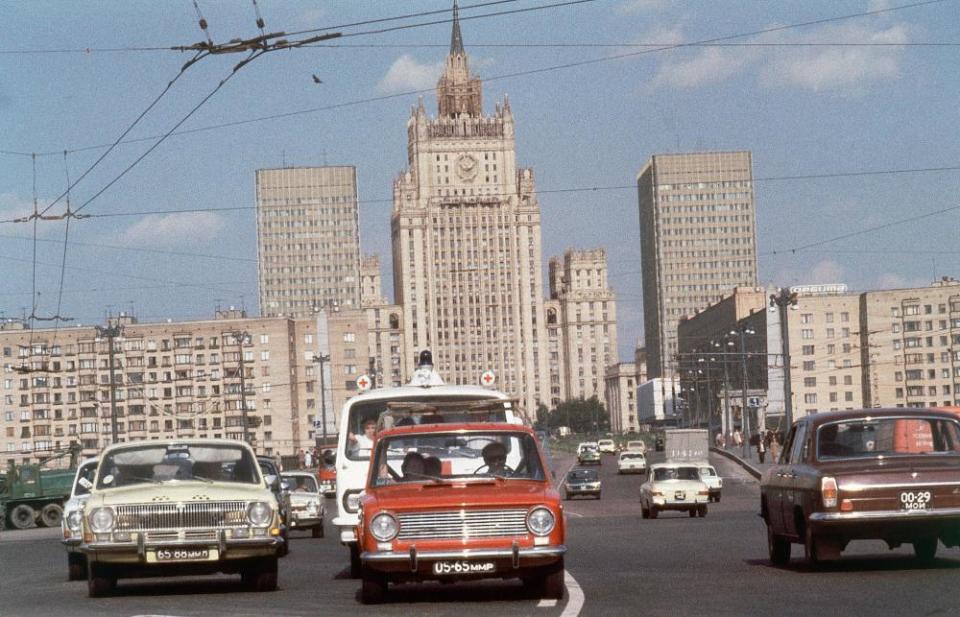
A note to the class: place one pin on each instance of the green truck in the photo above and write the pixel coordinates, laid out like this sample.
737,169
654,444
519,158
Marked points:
34,495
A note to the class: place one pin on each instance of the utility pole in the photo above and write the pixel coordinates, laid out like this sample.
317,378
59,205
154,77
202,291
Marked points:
112,332
241,337
744,412
782,300
321,359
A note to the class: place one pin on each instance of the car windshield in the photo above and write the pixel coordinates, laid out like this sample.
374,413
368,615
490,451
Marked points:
582,475
707,472
675,473
368,414
432,457
868,437
87,472
301,483
631,456
159,463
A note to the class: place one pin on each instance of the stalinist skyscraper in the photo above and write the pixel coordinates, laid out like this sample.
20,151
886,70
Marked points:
466,241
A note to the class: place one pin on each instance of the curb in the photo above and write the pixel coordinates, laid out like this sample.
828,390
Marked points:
750,469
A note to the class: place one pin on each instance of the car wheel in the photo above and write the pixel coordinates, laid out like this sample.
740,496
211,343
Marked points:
262,576
285,546
356,566
318,531
702,511
693,513
810,548
100,580
551,583
373,588
598,495
23,517
778,548
76,567
717,498
644,512
654,512
926,549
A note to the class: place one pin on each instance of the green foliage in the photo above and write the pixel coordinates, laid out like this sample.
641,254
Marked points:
581,415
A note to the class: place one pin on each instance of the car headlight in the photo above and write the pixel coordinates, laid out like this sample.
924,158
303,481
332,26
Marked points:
75,520
351,501
541,521
259,513
101,520
384,527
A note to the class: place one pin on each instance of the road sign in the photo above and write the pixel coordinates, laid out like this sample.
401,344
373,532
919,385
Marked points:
317,424
364,383
488,378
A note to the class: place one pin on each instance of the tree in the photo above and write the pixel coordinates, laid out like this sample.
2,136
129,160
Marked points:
581,415
543,420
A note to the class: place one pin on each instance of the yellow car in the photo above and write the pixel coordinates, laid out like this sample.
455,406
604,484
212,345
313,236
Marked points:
180,508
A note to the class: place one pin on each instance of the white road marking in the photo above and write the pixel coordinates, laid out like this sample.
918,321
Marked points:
574,596
546,603
560,481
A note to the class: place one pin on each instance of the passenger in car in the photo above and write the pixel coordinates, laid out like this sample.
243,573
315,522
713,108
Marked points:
413,466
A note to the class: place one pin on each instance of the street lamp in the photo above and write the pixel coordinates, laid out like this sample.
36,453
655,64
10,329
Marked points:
243,338
744,412
321,359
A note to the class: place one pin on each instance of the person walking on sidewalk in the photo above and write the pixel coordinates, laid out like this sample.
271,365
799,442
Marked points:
761,447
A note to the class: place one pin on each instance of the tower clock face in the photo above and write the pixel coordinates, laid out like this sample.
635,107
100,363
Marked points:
467,167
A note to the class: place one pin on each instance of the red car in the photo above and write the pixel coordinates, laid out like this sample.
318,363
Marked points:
456,502
887,474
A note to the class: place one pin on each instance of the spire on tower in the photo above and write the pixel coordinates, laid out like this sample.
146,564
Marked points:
456,39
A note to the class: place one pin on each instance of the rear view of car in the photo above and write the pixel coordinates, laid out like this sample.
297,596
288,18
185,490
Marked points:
606,446
710,477
582,483
673,486
631,462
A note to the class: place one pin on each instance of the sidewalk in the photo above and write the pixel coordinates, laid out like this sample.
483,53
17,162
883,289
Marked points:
753,466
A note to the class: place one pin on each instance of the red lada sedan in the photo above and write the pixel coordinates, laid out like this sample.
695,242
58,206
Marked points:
887,474
457,502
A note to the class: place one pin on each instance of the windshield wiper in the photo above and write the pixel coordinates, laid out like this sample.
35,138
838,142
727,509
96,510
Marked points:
135,479
202,479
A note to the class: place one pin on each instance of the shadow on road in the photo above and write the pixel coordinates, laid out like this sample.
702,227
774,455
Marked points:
886,563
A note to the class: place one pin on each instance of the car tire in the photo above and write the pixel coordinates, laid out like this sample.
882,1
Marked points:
810,548
284,549
598,495
356,566
717,498
23,517
373,586
925,550
644,512
551,584
654,512
778,548
693,513
101,580
262,576
702,511
51,515
317,531
76,567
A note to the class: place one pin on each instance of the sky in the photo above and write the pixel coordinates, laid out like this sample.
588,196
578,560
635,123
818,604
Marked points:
852,122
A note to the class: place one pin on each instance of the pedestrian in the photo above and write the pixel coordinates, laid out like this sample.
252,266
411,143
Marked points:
300,458
737,438
774,448
719,439
308,459
761,448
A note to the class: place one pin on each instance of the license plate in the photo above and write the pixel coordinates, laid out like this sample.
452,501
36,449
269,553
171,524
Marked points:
916,500
183,554
680,495
446,568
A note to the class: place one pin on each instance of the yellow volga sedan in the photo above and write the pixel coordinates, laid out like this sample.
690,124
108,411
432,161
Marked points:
176,508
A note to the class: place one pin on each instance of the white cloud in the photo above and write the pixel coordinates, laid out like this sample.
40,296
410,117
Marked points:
663,36
708,66
407,74
13,206
173,229
838,68
826,272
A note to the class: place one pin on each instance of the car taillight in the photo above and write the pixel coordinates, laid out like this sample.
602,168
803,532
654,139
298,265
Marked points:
828,492
706,492
657,493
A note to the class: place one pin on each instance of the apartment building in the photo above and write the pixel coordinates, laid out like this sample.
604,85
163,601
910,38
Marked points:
384,327
620,383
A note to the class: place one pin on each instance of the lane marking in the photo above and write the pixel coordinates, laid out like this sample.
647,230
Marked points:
546,603
575,595
560,481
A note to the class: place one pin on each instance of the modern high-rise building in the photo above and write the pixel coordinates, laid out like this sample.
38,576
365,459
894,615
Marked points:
698,241
588,318
467,254
308,240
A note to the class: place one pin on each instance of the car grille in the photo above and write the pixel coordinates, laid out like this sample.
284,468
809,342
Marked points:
463,524
206,515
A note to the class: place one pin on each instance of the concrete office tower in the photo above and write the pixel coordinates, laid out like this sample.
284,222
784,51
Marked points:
588,318
466,242
308,240
384,328
698,241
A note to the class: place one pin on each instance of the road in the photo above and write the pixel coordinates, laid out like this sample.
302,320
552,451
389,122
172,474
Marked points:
618,564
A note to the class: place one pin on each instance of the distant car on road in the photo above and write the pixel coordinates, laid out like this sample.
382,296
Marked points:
606,446
673,486
631,461
582,482
589,454
888,474
307,509
72,522
637,445
710,477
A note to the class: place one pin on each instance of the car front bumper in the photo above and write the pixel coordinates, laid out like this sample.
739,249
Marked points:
139,551
305,521
507,561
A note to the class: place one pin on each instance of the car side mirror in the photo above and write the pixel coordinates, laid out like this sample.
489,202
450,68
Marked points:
284,485
87,484
270,479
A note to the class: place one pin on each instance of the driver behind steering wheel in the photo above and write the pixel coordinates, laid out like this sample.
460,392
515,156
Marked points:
495,458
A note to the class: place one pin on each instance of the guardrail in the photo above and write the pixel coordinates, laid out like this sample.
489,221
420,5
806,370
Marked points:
750,469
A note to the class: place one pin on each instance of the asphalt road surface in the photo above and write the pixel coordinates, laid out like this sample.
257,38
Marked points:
618,564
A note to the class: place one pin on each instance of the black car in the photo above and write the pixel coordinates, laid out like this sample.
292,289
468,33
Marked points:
581,482
271,473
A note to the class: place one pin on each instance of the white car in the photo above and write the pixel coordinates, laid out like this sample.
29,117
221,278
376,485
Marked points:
636,446
710,477
584,445
307,509
606,446
673,486
72,520
631,461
